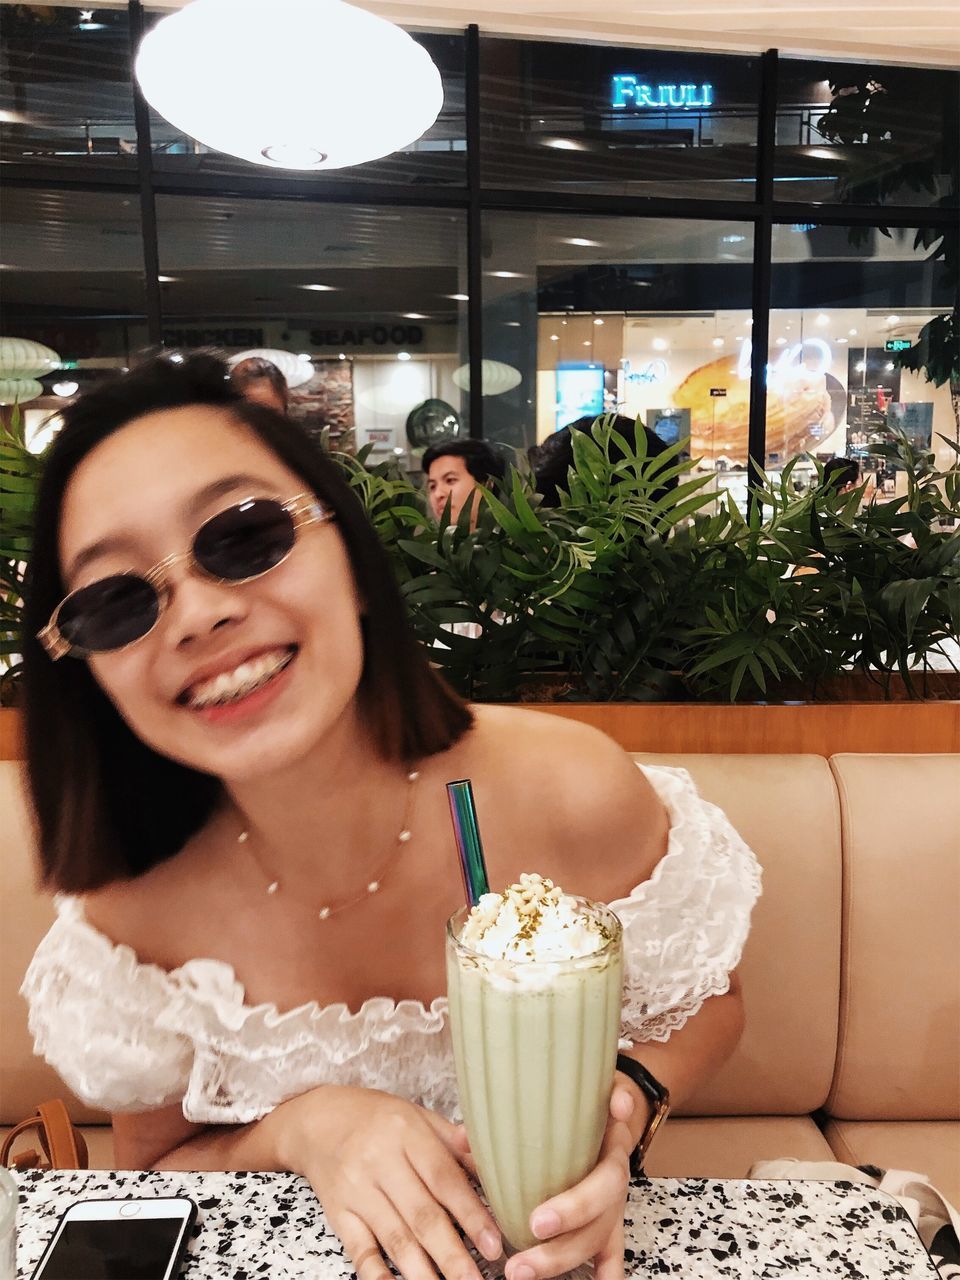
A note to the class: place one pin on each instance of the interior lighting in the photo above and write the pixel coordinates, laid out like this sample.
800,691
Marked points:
718,342
889,366
305,357
598,321
852,332
564,144
748,323
176,358
823,318
166,279
554,337
588,343
342,356
781,342
861,366
458,297
735,239
893,319
581,243
66,388
319,288
507,275
248,85
414,315
660,344
404,355
841,340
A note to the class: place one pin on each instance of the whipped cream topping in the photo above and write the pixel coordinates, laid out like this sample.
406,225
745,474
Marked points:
533,920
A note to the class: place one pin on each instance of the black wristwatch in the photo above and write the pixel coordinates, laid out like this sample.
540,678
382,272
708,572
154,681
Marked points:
659,1097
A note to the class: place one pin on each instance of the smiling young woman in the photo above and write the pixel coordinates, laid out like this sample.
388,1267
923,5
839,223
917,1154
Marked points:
236,752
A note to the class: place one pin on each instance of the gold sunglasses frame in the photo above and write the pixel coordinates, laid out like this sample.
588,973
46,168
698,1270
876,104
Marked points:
304,509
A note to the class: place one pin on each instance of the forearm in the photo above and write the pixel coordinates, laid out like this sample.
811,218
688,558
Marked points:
692,1054
241,1148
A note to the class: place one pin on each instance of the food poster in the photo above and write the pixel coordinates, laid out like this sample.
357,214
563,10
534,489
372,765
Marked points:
806,398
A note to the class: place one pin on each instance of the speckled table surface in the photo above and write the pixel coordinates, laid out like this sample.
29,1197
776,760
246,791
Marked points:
256,1225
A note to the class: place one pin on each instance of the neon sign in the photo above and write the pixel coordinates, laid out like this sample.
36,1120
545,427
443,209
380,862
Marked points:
627,92
652,371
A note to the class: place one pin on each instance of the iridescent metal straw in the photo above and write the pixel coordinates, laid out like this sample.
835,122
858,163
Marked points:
466,829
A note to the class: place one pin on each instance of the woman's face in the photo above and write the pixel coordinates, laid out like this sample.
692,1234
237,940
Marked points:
140,497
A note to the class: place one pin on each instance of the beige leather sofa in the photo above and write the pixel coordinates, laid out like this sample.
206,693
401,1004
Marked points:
851,976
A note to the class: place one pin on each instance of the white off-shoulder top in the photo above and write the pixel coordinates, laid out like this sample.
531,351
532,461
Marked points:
127,1036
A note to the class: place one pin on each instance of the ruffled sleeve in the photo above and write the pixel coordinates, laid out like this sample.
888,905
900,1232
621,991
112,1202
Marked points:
684,928
95,1016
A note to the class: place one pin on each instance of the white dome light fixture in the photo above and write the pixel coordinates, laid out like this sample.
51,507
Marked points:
496,377
297,84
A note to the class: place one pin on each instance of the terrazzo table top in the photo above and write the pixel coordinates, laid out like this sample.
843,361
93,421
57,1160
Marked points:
270,1225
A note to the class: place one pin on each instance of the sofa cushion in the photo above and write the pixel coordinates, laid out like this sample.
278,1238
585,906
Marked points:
785,807
722,1147
24,1079
931,1147
899,1050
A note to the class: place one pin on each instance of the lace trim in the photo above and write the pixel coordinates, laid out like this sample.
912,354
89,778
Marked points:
152,1035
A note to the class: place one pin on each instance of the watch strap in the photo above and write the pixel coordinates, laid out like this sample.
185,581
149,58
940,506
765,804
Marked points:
659,1097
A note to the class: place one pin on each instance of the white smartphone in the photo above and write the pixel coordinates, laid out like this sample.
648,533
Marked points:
119,1240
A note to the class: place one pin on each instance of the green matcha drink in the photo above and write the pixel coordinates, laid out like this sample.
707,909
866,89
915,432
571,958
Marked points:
534,979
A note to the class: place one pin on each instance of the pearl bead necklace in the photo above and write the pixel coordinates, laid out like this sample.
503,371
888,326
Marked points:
324,912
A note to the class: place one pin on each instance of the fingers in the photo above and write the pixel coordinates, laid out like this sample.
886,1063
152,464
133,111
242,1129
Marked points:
360,1247
590,1198
622,1103
560,1255
429,1225
449,1186
398,1240
608,1264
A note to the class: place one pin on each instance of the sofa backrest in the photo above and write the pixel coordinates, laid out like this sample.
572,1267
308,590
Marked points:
899,1041
786,809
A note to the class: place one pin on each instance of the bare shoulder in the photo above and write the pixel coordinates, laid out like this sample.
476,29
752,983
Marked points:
592,797
138,913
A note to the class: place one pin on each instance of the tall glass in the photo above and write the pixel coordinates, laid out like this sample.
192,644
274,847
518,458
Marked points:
535,1045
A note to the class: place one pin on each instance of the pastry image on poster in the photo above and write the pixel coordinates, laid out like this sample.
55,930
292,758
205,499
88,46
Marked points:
805,403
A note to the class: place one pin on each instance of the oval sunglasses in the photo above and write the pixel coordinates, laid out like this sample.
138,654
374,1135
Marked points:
235,546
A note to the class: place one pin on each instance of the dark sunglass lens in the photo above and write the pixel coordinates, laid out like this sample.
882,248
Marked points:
246,540
109,614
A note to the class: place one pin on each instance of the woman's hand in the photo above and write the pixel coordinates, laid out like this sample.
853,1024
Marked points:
390,1181
586,1221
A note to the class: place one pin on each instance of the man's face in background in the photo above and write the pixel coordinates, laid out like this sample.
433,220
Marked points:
448,477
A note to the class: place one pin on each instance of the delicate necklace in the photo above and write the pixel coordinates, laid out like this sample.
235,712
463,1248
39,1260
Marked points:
325,912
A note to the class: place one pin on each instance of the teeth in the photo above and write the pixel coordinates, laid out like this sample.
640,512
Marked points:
230,686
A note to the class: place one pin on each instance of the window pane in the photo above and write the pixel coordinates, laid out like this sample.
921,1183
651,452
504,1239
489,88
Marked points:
845,299
368,299
632,121
65,94
438,158
642,316
850,133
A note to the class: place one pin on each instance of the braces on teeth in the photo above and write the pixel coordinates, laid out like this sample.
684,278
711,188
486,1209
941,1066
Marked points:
224,689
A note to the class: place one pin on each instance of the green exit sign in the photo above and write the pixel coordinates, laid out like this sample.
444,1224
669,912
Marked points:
897,344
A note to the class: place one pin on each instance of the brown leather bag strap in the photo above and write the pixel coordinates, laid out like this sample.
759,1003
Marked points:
62,1144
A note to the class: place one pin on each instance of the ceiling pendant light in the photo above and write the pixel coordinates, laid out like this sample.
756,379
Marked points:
294,84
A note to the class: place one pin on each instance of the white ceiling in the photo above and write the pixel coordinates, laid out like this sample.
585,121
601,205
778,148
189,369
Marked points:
922,32
908,31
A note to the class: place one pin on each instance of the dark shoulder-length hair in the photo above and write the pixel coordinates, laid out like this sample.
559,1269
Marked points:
109,807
